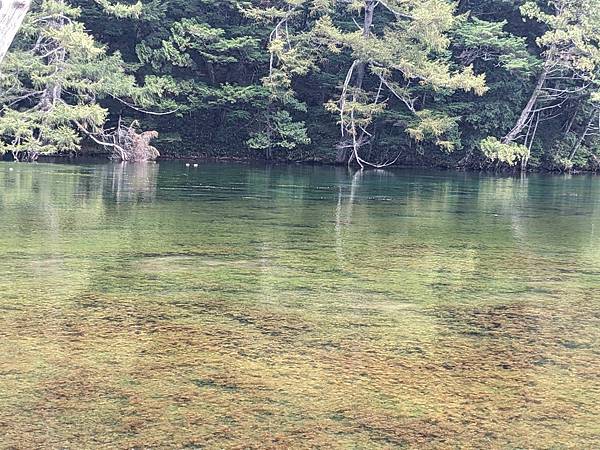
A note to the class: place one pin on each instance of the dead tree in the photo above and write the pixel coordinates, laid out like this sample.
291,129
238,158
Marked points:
12,13
586,132
358,68
132,145
126,143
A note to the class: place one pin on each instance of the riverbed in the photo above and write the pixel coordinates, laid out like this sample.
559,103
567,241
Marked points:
251,306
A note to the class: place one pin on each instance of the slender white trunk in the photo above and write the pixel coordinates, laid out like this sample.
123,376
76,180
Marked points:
12,13
360,66
525,116
583,135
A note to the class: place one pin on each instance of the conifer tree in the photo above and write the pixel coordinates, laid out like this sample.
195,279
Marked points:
571,56
400,49
359,81
53,83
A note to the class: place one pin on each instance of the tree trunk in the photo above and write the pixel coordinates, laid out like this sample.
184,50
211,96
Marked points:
12,13
571,121
367,24
527,111
525,160
53,91
343,152
341,155
583,135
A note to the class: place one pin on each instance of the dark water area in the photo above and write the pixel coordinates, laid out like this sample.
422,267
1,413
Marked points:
246,306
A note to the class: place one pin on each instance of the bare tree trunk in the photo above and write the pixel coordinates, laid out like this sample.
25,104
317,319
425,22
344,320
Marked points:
528,110
53,91
366,32
571,121
342,154
583,135
526,157
12,13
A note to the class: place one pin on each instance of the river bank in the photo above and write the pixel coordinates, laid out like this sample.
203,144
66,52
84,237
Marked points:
202,159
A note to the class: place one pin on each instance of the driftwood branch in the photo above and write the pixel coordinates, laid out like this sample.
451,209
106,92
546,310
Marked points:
127,143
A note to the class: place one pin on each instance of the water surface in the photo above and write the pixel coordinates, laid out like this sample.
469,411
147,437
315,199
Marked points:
238,306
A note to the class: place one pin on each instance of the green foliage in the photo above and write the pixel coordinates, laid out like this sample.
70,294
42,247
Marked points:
480,40
509,154
299,78
191,41
54,81
282,132
121,10
434,126
571,32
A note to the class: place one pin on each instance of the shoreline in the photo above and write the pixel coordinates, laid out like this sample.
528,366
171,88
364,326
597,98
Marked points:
58,158
283,162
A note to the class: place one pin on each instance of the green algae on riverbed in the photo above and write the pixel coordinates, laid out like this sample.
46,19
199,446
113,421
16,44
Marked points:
230,306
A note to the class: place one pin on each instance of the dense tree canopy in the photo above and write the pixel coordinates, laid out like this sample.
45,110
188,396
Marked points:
478,83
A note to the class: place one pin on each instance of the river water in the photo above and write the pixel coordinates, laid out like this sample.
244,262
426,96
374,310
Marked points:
243,306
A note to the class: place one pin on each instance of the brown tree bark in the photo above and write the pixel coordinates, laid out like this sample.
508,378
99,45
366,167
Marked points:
12,13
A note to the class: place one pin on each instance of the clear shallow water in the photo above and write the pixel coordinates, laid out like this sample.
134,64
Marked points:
159,306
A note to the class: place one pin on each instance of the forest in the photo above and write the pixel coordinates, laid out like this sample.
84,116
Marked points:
473,84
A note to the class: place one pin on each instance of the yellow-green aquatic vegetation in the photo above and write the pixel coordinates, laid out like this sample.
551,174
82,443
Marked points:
233,306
